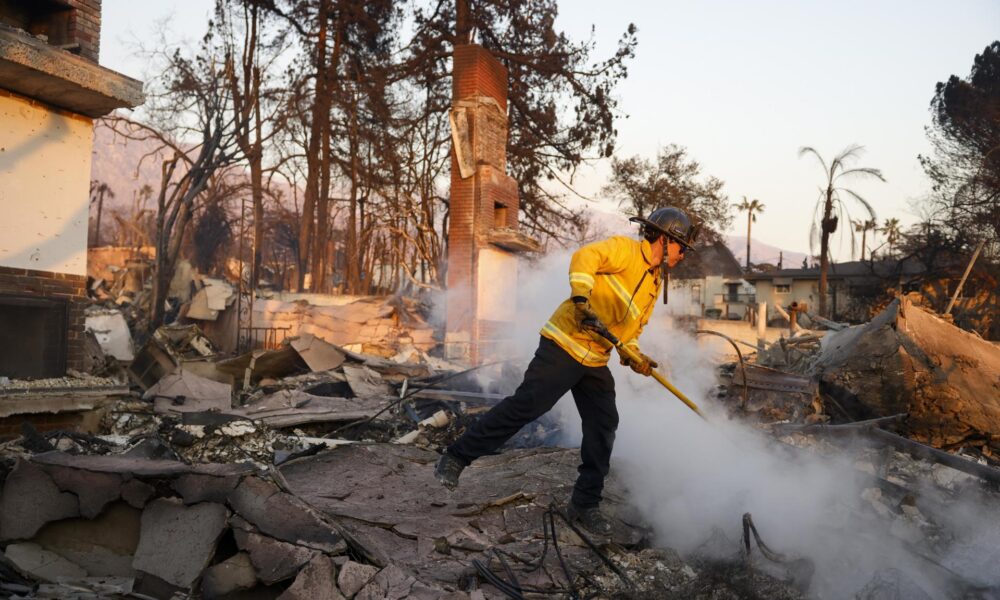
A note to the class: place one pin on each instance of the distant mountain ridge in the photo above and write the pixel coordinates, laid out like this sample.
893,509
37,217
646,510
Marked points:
763,253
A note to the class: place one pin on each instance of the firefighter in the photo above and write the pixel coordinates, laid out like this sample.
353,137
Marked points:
614,282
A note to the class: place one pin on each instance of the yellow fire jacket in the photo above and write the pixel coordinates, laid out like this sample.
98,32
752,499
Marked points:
622,284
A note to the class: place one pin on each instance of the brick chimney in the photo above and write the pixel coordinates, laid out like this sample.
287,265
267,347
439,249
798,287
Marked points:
483,240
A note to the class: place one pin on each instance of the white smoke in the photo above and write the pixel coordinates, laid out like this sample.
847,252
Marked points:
689,477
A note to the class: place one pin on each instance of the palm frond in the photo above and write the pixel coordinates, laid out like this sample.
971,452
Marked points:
861,171
810,150
852,151
856,196
814,228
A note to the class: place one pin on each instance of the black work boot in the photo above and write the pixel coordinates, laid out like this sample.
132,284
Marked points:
447,470
590,518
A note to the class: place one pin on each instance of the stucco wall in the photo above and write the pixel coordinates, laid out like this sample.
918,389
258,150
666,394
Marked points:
44,187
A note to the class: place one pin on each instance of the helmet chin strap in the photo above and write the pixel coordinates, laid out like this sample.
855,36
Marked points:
665,269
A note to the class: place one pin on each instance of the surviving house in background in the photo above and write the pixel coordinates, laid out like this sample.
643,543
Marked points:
51,90
709,283
854,287
483,236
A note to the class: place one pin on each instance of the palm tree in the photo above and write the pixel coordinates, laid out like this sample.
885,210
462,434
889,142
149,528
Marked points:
892,232
833,205
752,207
864,227
99,190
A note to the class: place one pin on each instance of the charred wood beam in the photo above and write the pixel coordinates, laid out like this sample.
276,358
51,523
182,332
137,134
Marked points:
918,450
842,428
871,429
457,396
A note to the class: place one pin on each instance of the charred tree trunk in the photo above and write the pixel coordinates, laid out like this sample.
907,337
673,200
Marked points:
321,107
97,225
749,221
323,202
353,279
827,227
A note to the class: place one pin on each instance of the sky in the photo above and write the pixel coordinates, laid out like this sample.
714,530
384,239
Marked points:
742,85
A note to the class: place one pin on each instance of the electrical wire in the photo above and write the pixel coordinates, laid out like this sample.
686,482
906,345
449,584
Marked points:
514,590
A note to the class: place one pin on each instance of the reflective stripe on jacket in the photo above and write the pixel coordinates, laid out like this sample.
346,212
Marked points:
617,276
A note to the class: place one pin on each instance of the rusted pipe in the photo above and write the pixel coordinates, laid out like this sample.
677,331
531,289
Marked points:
743,367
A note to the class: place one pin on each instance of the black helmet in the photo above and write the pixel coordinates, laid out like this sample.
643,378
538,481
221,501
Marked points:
671,222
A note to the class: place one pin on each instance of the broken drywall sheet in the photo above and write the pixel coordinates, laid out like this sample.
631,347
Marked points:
112,332
183,391
318,354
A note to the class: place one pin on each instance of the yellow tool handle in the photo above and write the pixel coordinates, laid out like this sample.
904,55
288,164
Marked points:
631,355
598,329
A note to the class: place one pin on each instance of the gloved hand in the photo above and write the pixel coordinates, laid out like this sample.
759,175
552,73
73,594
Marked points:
586,318
645,367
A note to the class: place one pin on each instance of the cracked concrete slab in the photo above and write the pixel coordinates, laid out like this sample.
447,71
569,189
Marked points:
31,499
273,560
196,488
103,546
138,467
281,516
231,575
137,493
394,511
177,542
95,490
391,583
318,579
42,564
354,576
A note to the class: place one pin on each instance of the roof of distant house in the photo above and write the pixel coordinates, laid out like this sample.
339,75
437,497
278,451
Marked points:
848,270
714,258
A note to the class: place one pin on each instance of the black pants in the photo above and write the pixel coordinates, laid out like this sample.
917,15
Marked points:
551,374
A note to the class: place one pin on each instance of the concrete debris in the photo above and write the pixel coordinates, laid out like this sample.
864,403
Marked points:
94,490
41,564
196,488
231,575
354,576
283,516
391,583
306,470
272,559
31,499
317,580
103,546
177,542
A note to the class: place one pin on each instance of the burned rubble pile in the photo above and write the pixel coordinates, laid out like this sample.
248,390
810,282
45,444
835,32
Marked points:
914,403
305,471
